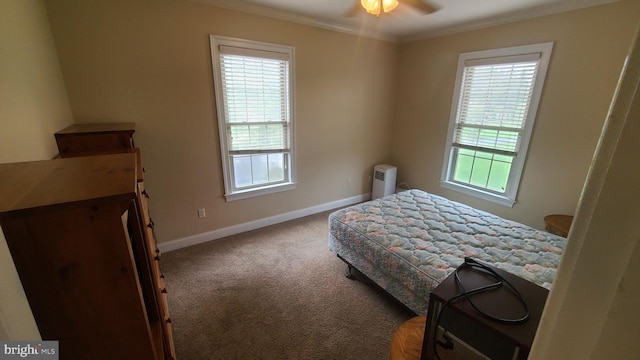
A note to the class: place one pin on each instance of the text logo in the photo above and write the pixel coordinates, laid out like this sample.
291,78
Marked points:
10,350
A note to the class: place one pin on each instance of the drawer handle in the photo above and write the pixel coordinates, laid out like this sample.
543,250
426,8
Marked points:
161,276
157,251
150,225
168,320
157,257
145,193
164,290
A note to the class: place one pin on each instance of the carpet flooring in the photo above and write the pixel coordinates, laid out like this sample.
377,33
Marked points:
275,293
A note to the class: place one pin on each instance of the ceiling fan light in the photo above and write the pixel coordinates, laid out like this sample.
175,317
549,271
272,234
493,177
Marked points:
388,5
372,6
375,7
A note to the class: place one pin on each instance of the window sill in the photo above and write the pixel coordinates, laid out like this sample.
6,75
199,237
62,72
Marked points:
246,194
498,199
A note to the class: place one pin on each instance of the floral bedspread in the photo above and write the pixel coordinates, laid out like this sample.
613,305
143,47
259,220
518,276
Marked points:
409,242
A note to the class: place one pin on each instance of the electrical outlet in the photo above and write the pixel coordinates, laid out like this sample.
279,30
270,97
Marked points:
202,213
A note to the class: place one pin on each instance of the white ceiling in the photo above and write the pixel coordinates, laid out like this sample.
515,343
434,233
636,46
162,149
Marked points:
405,23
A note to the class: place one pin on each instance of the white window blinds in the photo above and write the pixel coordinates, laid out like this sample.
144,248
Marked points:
255,89
254,84
494,103
493,111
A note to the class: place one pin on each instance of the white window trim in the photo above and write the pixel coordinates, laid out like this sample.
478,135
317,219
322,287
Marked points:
216,42
509,198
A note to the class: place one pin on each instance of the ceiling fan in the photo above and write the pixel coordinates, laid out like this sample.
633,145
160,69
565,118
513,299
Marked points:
377,7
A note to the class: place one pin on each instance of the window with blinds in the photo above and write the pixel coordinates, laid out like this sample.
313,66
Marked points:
494,107
254,99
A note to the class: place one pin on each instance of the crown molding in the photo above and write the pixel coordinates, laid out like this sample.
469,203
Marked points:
521,15
363,30
284,15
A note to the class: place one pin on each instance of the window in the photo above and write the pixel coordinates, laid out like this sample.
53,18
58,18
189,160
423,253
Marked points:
254,97
493,109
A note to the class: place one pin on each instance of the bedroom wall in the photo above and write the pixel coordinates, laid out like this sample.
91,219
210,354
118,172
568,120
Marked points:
149,62
590,47
33,105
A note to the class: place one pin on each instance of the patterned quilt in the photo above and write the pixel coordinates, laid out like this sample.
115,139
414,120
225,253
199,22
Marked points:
409,242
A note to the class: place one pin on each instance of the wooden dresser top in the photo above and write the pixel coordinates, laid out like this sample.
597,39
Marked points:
97,128
37,184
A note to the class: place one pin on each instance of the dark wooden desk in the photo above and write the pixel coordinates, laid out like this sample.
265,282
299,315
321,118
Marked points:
482,335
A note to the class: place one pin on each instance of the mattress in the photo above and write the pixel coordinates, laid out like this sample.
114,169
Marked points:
411,241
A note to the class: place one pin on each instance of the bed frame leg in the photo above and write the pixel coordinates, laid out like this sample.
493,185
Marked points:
349,274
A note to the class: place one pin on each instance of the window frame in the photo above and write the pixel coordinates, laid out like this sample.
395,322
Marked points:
256,47
508,198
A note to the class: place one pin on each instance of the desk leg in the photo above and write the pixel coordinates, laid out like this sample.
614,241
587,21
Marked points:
429,330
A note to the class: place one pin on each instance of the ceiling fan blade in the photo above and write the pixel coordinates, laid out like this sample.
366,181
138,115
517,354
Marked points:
422,6
354,9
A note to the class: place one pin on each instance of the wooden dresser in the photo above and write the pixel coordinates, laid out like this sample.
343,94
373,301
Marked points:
95,139
82,240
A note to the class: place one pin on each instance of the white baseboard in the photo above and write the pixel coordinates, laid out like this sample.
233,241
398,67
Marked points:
176,244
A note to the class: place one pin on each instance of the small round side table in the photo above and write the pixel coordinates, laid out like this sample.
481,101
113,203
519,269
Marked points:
558,224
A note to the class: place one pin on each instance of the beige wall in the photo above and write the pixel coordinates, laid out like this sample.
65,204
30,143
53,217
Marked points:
32,94
33,105
149,62
590,46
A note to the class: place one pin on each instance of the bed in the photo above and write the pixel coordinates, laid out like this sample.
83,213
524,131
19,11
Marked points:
407,243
